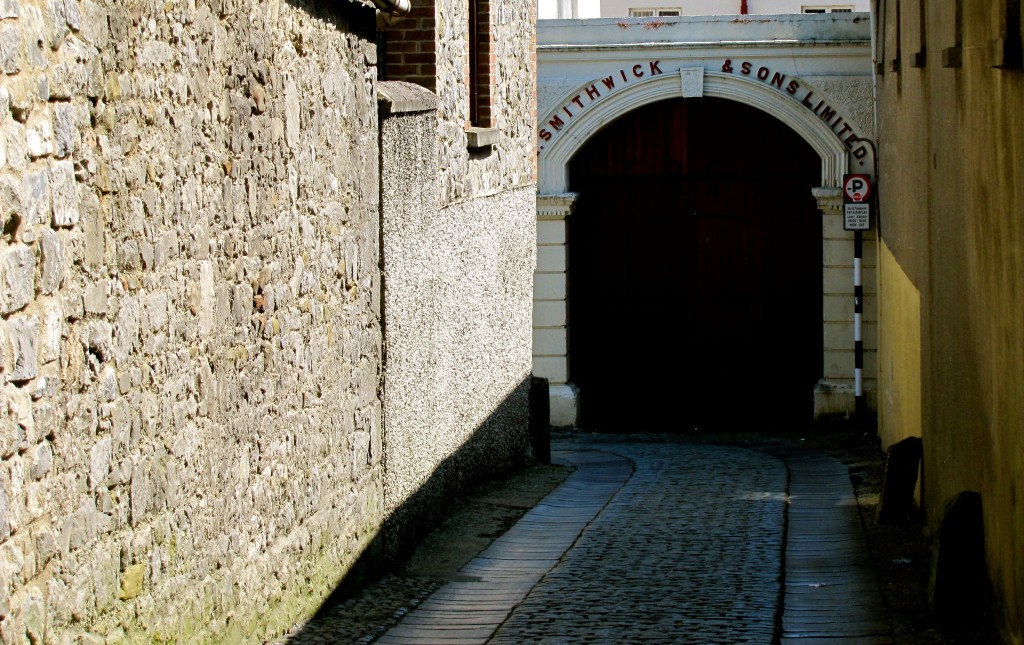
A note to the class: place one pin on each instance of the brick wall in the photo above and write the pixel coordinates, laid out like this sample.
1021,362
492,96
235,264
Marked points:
409,47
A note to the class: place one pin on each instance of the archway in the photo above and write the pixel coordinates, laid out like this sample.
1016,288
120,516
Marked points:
695,269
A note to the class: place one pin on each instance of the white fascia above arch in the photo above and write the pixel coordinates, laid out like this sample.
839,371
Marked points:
554,165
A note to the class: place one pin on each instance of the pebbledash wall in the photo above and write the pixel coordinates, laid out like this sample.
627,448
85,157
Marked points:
458,256
458,297
192,428
812,72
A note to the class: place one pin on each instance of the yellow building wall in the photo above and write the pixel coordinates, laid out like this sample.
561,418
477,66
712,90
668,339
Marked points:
951,140
899,348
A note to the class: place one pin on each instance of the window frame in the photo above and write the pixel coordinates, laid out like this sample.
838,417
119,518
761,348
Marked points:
655,12
826,8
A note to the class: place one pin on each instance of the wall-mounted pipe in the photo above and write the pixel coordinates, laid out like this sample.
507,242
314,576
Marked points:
396,8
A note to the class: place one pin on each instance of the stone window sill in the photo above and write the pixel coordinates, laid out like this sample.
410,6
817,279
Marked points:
481,137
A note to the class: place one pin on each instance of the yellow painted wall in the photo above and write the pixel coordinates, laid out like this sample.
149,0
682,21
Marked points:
951,179
899,363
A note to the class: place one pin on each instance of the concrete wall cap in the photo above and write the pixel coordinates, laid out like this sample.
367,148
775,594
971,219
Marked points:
399,97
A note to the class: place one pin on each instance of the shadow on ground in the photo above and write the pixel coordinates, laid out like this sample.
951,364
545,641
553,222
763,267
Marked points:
901,553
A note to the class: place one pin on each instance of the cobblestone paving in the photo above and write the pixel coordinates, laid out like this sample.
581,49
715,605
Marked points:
689,551
649,542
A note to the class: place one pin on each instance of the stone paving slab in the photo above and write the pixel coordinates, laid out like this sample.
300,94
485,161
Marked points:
513,564
831,589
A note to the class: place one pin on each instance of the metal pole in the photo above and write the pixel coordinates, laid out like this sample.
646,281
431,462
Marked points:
860,404
858,340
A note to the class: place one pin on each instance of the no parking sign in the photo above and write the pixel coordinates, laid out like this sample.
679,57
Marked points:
856,202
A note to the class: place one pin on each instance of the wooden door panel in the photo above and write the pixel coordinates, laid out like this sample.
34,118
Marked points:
695,268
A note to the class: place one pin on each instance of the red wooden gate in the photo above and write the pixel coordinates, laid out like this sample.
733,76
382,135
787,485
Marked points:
695,270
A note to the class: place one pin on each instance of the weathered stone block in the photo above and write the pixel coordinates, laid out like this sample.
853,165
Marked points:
156,310
35,197
96,297
37,501
77,74
17,277
11,53
24,331
47,383
53,263
25,94
12,560
9,9
34,612
72,302
93,27
107,382
16,417
99,463
132,581
46,421
42,460
6,350
51,330
126,329
106,565
94,226
39,134
66,135
242,303
5,602
64,194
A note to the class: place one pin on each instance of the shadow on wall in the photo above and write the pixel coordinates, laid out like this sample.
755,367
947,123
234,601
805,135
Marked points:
494,449
351,17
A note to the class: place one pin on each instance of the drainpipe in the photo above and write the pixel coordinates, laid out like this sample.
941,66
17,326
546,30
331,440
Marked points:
399,8
743,7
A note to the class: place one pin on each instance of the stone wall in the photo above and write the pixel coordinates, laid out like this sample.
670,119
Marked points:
510,163
457,298
190,339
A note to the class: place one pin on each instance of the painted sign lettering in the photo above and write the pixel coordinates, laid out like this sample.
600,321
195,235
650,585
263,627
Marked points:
825,112
601,87
592,94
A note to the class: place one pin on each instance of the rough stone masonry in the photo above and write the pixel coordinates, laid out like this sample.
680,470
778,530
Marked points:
190,337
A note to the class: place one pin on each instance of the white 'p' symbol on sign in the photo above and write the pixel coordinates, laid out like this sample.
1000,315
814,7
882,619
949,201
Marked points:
857,188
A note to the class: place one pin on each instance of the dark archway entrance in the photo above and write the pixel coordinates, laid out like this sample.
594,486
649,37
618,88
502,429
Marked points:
695,264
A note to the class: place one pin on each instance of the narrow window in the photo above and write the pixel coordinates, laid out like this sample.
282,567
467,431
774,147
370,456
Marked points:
481,63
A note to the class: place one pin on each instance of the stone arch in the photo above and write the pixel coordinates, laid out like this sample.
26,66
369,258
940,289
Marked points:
554,169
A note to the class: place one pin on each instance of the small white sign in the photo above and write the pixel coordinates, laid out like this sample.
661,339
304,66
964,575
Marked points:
856,217
857,188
